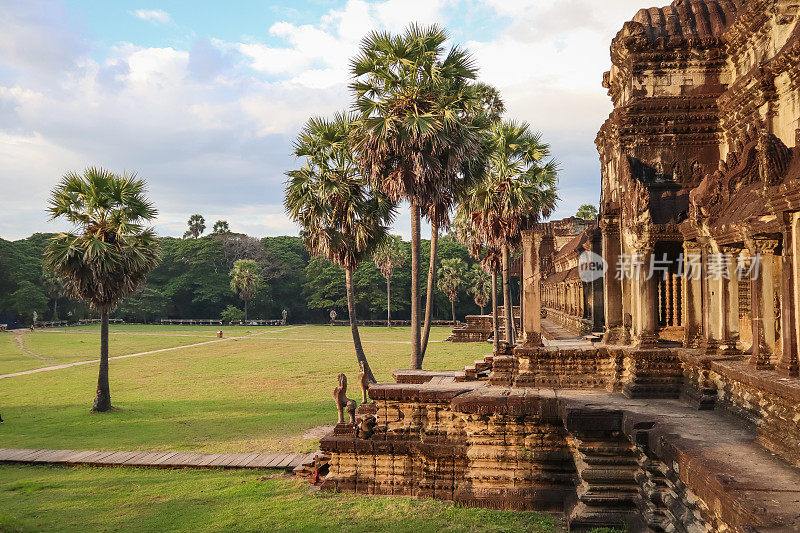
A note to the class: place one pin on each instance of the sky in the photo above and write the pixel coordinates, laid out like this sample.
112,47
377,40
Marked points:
203,98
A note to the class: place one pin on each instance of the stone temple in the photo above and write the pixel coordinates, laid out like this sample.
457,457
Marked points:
685,416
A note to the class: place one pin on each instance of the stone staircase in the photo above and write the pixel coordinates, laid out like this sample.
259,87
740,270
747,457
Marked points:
315,469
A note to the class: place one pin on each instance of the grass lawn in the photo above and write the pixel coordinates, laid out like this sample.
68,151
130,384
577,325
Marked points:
258,390
42,498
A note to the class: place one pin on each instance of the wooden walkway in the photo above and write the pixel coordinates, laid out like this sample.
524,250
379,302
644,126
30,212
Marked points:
286,461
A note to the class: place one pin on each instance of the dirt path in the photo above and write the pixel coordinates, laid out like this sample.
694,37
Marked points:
18,334
80,363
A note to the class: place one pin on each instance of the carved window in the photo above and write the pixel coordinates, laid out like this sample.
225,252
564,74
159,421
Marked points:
744,297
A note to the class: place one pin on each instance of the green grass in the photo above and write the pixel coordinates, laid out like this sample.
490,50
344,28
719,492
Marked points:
41,498
255,392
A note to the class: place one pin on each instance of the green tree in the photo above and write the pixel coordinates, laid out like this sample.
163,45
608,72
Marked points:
232,315
587,212
451,281
389,256
220,227
27,299
197,225
54,289
417,104
245,280
480,286
111,253
518,189
343,219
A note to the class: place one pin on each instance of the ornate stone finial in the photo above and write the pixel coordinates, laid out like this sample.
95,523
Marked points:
363,380
343,403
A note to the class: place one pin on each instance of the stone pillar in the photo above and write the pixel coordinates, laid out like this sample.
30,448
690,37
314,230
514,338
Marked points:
647,287
730,301
761,290
676,312
788,363
692,295
711,302
612,286
531,280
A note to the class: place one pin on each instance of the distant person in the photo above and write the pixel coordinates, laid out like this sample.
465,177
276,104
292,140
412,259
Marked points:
1,420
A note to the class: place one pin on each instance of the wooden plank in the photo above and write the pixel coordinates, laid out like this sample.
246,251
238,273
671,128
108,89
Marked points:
262,460
172,460
136,458
252,457
163,460
229,458
219,459
278,460
96,457
189,459
117,458
207,458
78,457
241,461
13,455
56,457
286,460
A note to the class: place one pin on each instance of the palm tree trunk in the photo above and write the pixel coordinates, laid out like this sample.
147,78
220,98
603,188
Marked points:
481,309
453,311
507,298
351,310
388,303
102,400
416,360
431,288
245,312
495,325
55,309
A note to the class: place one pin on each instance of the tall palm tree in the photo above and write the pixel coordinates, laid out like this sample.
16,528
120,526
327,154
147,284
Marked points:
419,125
197,225
389,256
480,286
342,217
519,189
469,234
245,280
451,280
111,252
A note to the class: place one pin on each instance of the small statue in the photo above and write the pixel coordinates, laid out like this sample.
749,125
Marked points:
363,379
284,314
343,402
333,316
366,427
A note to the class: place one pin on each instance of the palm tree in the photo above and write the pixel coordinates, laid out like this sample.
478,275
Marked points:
245,280
451,281
220,227
518,190
197,225
480,286
419,125
342,217
110,254
389,256
586,212
53,288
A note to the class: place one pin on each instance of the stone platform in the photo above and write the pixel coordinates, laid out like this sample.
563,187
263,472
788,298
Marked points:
572,430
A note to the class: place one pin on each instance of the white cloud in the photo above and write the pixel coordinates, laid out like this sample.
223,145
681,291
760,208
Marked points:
210,124
153,15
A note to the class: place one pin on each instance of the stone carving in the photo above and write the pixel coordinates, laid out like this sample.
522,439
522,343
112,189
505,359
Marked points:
343,403
363,380
284,314
332,314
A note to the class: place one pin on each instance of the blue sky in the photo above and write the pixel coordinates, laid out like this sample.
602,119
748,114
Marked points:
203,98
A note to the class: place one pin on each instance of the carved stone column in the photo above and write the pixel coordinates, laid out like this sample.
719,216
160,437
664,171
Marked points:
692,295
647,287
730,301
711,302
788,364
612,287
531,280
762,251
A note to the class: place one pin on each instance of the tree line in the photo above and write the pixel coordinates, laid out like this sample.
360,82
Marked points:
193,281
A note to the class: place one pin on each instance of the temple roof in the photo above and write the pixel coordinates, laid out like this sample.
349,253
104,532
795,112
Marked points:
700,22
